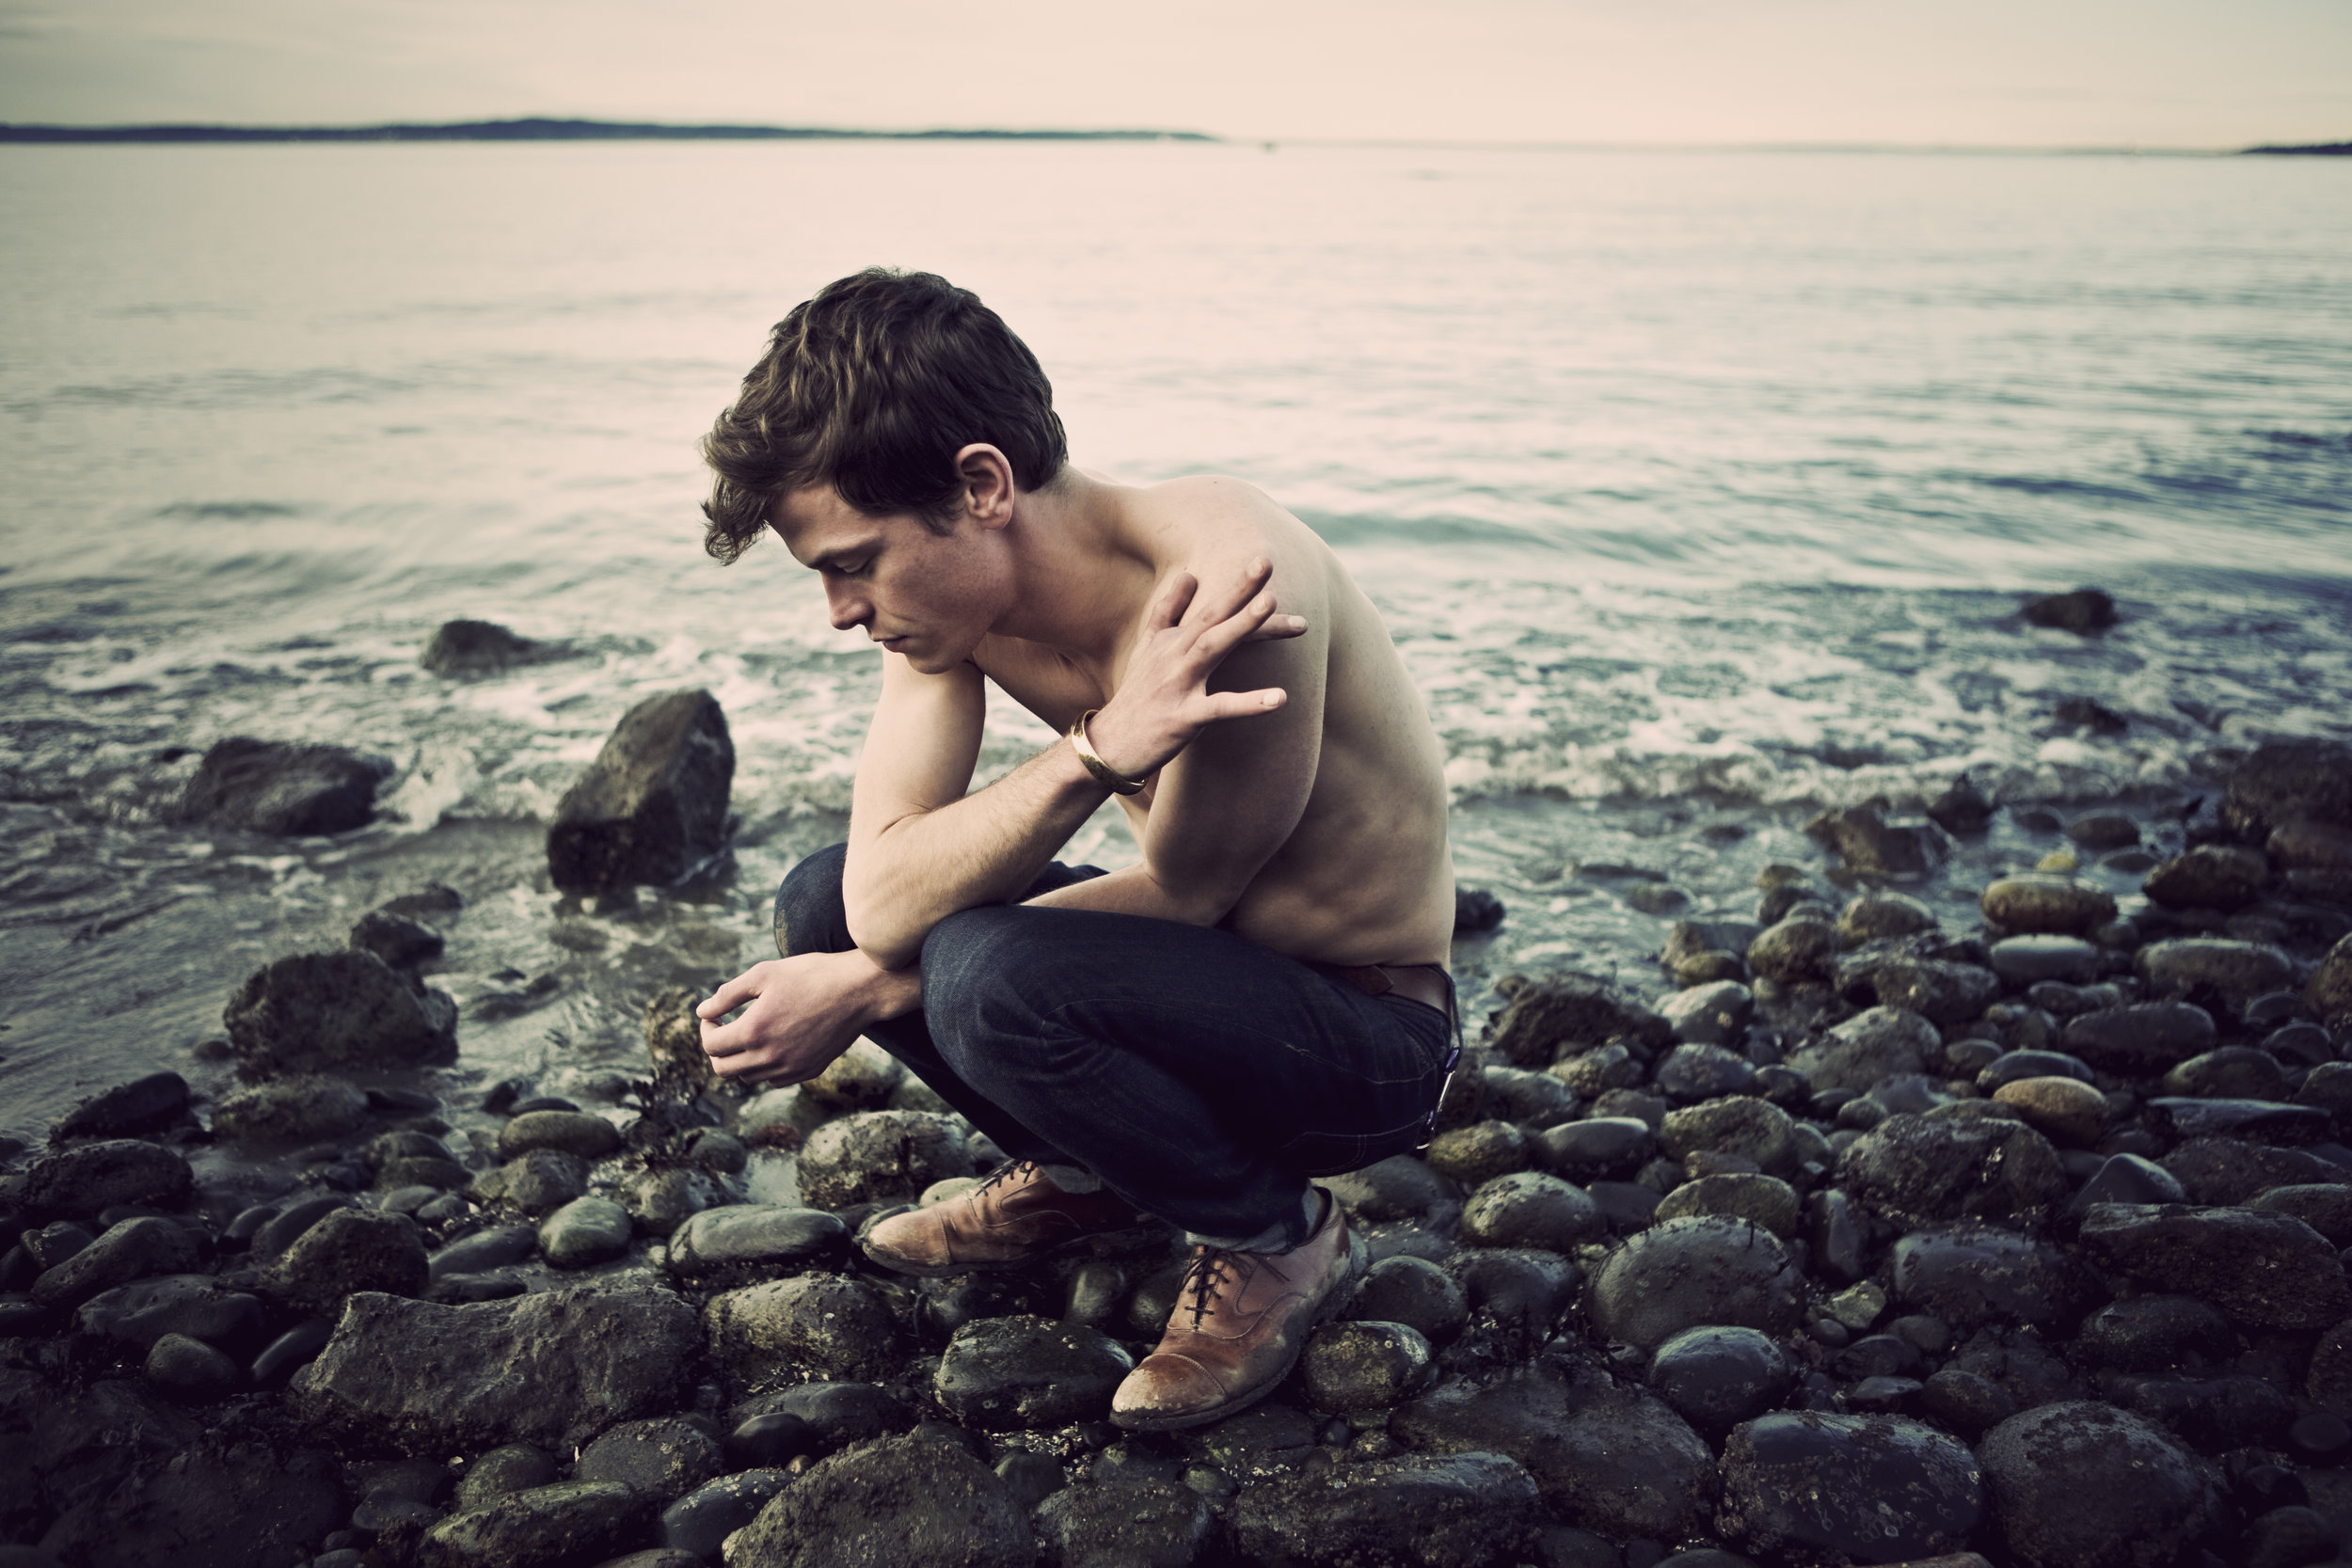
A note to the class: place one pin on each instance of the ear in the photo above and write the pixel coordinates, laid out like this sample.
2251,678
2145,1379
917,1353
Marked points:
989,490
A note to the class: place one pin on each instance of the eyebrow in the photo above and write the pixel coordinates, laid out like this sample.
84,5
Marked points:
833,557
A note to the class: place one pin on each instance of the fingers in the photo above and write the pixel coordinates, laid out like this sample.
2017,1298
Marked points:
1242,705
1174,598
728,997
1211,608
1277,627
1220,639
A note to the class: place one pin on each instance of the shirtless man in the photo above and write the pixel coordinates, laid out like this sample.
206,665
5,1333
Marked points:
1260,1000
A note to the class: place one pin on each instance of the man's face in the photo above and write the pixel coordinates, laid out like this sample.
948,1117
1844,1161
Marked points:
927,595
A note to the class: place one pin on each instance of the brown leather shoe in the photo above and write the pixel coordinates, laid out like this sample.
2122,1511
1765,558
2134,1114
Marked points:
1241,1319
1015,1217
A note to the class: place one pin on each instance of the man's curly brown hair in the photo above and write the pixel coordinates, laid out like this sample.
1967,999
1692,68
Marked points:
872,387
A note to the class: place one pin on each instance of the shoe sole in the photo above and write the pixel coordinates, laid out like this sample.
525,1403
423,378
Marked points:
1359,1263
1106,1241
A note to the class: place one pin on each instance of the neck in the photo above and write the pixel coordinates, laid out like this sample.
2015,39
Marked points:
1082,575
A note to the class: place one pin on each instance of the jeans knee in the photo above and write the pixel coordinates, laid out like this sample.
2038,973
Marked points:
809,913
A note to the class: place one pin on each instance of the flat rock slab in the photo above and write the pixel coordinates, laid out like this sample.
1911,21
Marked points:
2266,1271
216,1505
756,1235
1463,1510
654,803
550,1369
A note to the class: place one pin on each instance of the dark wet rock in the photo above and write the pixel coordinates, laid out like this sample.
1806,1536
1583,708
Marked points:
290,1351
2287,781
1716,1377
1397,1188
2127,1179
2288,1537
302,1109
1546,1019
1961,809
1878,916
2030,959
663,1457
880,1157
2212,1414
1965,1402
2082,611
348,1250
654,803
2211,876
1613,1459
1596,1147
1476,1153
196,1305
134,1249
142,1105
1460,1510
1932,1167
191,1369
1001,1373
270,787
51,1244
2156,1333
1686,1273
834,1413
79,1182
2328,993
860,1079
1139,1522
1944,993
333,1012
1846,1489
1753,1130
823,1323
2230,1170
2264,1270
2219,966
1528,1290
1356,1365
1624,1205
661,1199
2324,847
1872,845
1798,948
1600,1069
484,1250
399,941
2256,1120
1532,1101
1967,1274
2325,1208
2098,829
1693,1072
1835,1230
2065,1110
535,1183
699,1522
903,1502
762,1236
548,1526
1476,911
2083,1485
502,1472
1759,1199
585,1231
1529,1209
2145,1038
1867,1048
1711,1014
2230,1072
550,1369
1415,1292
2012,1065
591,1137
2051,902
220,1503
465,648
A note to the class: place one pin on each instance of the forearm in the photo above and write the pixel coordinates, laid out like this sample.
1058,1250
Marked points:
912,873
1133,890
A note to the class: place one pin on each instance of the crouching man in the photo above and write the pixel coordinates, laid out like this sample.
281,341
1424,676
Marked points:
1262,999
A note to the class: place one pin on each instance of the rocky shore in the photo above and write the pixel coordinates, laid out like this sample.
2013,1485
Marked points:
1852,1239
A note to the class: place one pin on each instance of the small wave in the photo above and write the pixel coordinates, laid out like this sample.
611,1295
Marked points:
228,510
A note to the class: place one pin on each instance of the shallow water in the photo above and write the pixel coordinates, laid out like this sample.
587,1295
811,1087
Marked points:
1700,491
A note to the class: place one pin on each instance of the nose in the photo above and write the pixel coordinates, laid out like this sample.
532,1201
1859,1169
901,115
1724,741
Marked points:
847,608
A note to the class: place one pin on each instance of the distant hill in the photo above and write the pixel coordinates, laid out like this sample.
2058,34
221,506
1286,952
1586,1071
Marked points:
2317,150
548,130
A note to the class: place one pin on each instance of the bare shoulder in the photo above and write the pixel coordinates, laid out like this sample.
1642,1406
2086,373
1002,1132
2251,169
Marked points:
1214,525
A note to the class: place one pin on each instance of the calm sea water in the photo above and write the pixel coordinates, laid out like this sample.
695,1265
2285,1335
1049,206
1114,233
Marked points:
1700,491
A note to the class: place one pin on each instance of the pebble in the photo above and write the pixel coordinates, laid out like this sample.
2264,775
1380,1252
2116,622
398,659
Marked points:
190,1369
1794,950
1415,1292
2210,875
663,1457
1969,1273
1139,1522
757,1236
823,1323
1753,1130
584,1231
2065,1109
1717,1377
661,1201
2326,1207
1695,1073
2229,1073
348,1250
2265,1271
879,1157
1513,1286
1930,1167
2146,1036
485,1249
195,1306
1460,1510
903,1503
82,1181
1530,1209
2234,971
1002,1374
2028,959
699,1523
578,1133
502,1472
2046,903
2127,1179
533,1183
833,1415
142,1105
548,1526
1764,1200
302,1109
2076,1483
1478,1152
1711,1014
1598,1147
1805,1484
1684,1273
131,1250
1878,916
1355,1366
860,1079
1872,1045
1397,1188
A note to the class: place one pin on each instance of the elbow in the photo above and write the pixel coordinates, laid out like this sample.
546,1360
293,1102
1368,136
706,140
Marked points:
891,942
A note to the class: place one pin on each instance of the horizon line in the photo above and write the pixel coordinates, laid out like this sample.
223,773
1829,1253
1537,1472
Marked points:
567,128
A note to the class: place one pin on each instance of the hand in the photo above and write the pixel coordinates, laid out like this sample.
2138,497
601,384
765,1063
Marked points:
1164,699
799,1014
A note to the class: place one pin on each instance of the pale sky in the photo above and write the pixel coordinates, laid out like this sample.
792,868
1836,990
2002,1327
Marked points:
2190,73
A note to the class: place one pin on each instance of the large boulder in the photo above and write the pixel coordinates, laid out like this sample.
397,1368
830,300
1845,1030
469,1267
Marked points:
1706,1269
1547,1019
2079,1484
222,1503
2266,1271
1818,1488
270,786
1614,1460
1927,1168
351,1250
462,649
552,1368
1462,1510
337,1012
654,803
79,1182
903,1502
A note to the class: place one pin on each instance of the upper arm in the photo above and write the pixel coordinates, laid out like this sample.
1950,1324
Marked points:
1233,796
920,750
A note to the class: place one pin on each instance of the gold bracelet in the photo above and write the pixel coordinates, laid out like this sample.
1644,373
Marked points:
1105,774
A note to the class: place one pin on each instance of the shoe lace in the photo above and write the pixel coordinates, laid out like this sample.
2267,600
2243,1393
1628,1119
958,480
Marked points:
1211,1268
1005,1172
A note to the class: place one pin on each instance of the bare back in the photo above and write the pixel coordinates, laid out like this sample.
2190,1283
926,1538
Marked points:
1365,875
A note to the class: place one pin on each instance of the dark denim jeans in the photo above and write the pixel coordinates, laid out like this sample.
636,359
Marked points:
1202,1076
